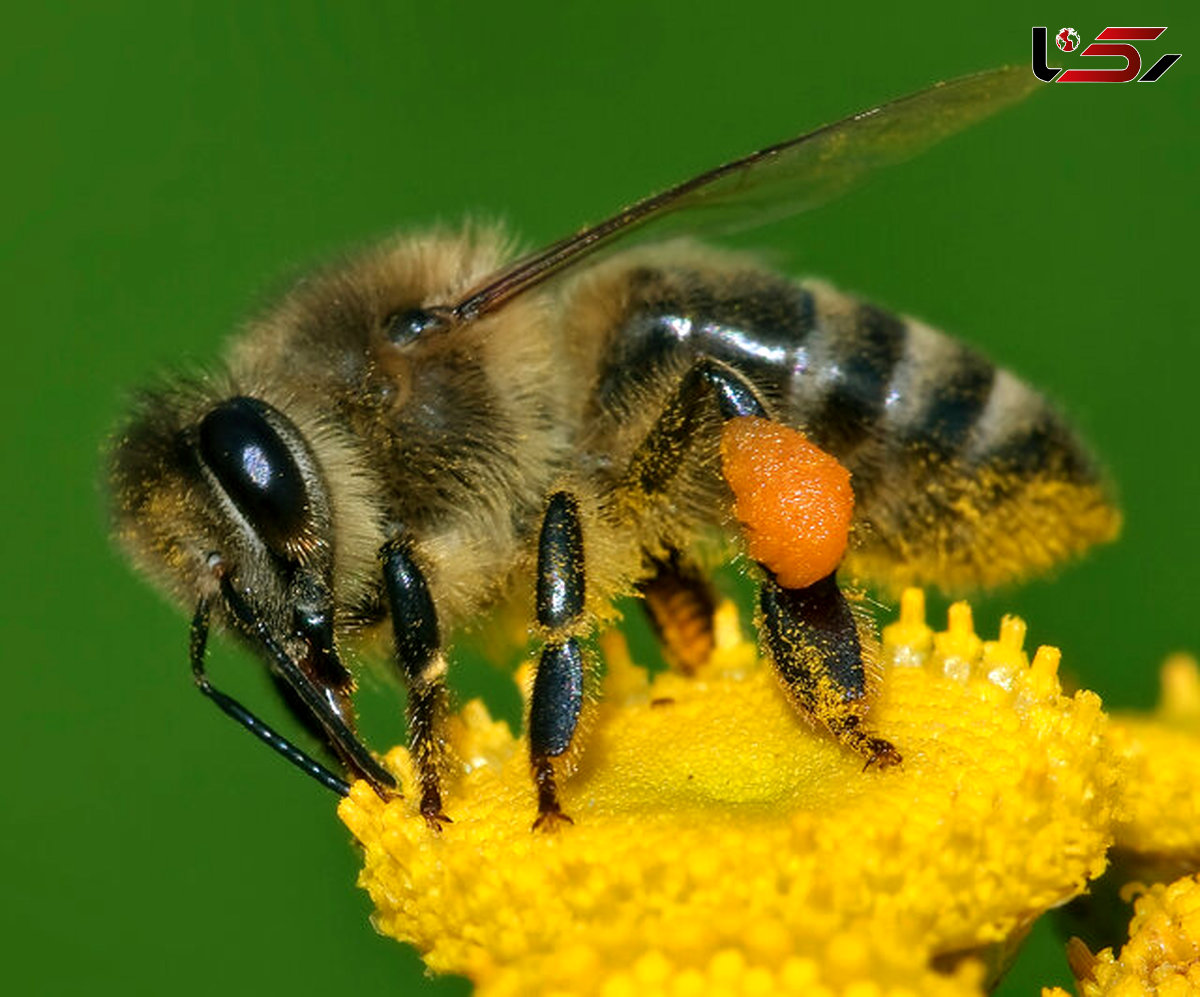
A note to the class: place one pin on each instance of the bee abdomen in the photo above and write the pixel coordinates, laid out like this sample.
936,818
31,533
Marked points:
962,474
852,376
879,387
751,320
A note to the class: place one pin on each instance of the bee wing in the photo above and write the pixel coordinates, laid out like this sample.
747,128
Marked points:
775,182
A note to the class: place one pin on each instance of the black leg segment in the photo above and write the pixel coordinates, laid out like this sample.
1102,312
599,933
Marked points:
418,649
735,395
557,699
812,638
560,583
816,621
553,716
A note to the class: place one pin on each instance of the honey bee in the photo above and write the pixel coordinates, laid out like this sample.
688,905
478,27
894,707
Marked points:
443,426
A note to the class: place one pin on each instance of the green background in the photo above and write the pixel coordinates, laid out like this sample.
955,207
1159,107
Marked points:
167,167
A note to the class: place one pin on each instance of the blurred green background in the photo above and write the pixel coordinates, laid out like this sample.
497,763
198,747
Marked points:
170,166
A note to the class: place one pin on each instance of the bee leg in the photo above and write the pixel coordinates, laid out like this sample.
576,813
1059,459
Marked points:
677,597
810,633
680,604
418,647
232,708
557,698
812,638
658,458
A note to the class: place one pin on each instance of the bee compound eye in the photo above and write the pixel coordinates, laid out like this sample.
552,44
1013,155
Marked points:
256,469
407,324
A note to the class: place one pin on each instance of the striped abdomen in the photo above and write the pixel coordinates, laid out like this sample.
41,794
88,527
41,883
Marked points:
962,474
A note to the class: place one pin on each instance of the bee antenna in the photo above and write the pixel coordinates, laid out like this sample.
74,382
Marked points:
232,708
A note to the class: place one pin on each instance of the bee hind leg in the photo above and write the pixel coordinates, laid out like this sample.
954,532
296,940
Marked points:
810,633
659,457
680,604
812,638
677,597
557,699
418,648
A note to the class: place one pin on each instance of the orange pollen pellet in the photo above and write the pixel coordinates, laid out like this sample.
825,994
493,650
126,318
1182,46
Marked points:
793,499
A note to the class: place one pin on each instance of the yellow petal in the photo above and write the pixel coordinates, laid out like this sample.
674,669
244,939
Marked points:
722,845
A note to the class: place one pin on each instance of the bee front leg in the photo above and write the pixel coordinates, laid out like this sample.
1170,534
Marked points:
812,638
557,698
418,648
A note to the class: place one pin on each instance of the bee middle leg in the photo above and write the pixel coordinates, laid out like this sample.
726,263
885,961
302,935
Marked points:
418,648
557,699
810,634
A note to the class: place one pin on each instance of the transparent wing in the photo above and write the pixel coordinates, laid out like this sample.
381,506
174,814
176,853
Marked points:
775,182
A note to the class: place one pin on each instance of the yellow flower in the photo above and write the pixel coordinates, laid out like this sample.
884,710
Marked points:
723,846
1162,956
1157,836
1160,826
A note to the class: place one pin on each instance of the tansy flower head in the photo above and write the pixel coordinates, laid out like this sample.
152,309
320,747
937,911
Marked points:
1159,829
1157,837
722,845
1162,956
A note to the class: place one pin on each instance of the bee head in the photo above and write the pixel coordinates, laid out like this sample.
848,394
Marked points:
222,498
